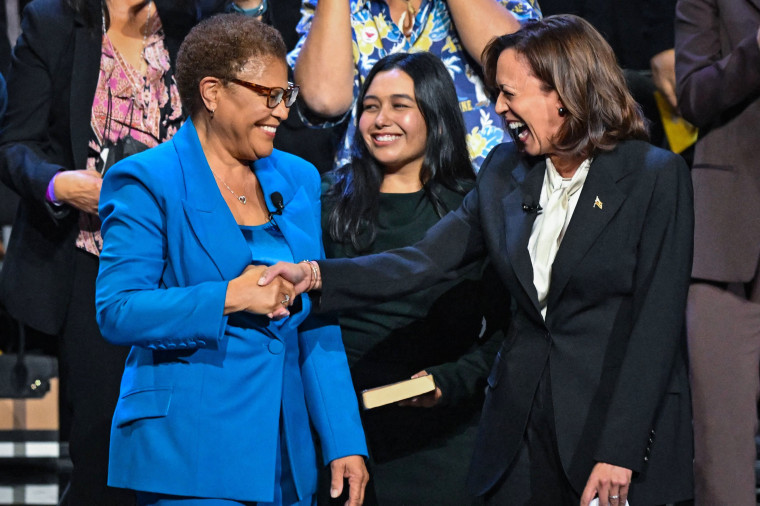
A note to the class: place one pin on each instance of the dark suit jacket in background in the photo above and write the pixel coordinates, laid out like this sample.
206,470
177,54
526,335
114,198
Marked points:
613,331
718,74
46,130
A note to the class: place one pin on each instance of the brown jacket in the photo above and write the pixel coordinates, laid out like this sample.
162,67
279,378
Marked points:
718,74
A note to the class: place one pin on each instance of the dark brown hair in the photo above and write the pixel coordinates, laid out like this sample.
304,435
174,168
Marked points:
568,55
220,47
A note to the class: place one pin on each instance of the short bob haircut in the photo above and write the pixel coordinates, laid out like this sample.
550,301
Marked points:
220,47
568,55
356,187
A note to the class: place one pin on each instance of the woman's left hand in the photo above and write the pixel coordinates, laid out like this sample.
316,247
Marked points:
610,483
427,400
354,469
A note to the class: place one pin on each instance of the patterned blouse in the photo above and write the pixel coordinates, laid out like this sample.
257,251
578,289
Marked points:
144,105
375,35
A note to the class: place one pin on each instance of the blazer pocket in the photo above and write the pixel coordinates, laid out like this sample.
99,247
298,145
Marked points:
141,404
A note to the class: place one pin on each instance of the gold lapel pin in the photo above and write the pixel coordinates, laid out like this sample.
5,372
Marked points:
597,202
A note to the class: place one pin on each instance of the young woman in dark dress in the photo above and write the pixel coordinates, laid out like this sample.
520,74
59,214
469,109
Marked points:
410,167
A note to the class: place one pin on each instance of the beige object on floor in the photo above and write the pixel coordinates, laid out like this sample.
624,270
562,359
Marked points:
31,414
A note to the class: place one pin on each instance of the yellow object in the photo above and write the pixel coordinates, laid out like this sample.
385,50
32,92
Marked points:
680,133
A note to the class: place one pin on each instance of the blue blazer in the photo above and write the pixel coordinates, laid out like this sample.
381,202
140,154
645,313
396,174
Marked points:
202,400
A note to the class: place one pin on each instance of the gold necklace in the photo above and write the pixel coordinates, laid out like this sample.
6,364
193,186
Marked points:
407,19
145,30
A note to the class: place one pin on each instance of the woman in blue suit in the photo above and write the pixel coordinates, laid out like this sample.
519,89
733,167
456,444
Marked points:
216,399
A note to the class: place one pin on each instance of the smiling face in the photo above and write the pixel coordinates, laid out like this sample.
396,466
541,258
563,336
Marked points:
242,120
530,111
391,123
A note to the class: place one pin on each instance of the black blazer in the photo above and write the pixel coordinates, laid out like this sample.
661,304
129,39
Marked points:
46,129
613,332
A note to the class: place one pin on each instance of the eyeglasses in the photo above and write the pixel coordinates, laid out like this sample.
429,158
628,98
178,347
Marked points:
274,95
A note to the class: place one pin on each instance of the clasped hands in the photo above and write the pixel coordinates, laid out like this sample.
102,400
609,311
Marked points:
300,275
268,291
245,293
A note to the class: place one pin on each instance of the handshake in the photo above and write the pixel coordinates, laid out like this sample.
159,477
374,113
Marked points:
271,290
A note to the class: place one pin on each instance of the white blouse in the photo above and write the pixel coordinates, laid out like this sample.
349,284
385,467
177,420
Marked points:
558,199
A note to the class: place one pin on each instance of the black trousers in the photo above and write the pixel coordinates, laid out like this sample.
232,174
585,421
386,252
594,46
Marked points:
536,476
91,370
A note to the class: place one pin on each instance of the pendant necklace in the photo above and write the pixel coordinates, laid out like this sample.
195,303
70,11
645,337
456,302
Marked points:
241,198
407,19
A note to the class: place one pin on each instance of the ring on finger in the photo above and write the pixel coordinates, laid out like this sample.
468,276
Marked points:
285,301
614,497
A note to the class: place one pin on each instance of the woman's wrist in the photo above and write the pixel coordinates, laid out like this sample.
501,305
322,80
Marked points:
317,275
312,273
233,299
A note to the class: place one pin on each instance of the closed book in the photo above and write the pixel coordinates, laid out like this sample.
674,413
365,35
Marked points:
387,394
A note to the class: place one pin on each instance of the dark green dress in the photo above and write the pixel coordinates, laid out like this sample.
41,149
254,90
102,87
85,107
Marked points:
420,456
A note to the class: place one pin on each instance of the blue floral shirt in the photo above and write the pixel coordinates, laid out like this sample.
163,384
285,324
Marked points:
375,35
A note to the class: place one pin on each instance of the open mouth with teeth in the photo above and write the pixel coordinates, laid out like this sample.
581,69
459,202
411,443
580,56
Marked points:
383,138
518,130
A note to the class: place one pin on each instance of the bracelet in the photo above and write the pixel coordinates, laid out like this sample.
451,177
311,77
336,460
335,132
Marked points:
50,193
314,278
317,274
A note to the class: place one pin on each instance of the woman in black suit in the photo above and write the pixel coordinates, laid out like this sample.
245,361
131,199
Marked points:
590,228
85,75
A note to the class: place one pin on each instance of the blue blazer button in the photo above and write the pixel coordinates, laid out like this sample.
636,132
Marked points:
276,347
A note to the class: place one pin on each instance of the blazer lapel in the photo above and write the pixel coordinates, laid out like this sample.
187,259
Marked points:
297,209
207,213
599,201
519,224
87,48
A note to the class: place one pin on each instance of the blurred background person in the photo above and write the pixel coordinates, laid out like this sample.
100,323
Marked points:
8,199
213,402
343,39
317,145
590,228
90,82
717,65
641,33
409,168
